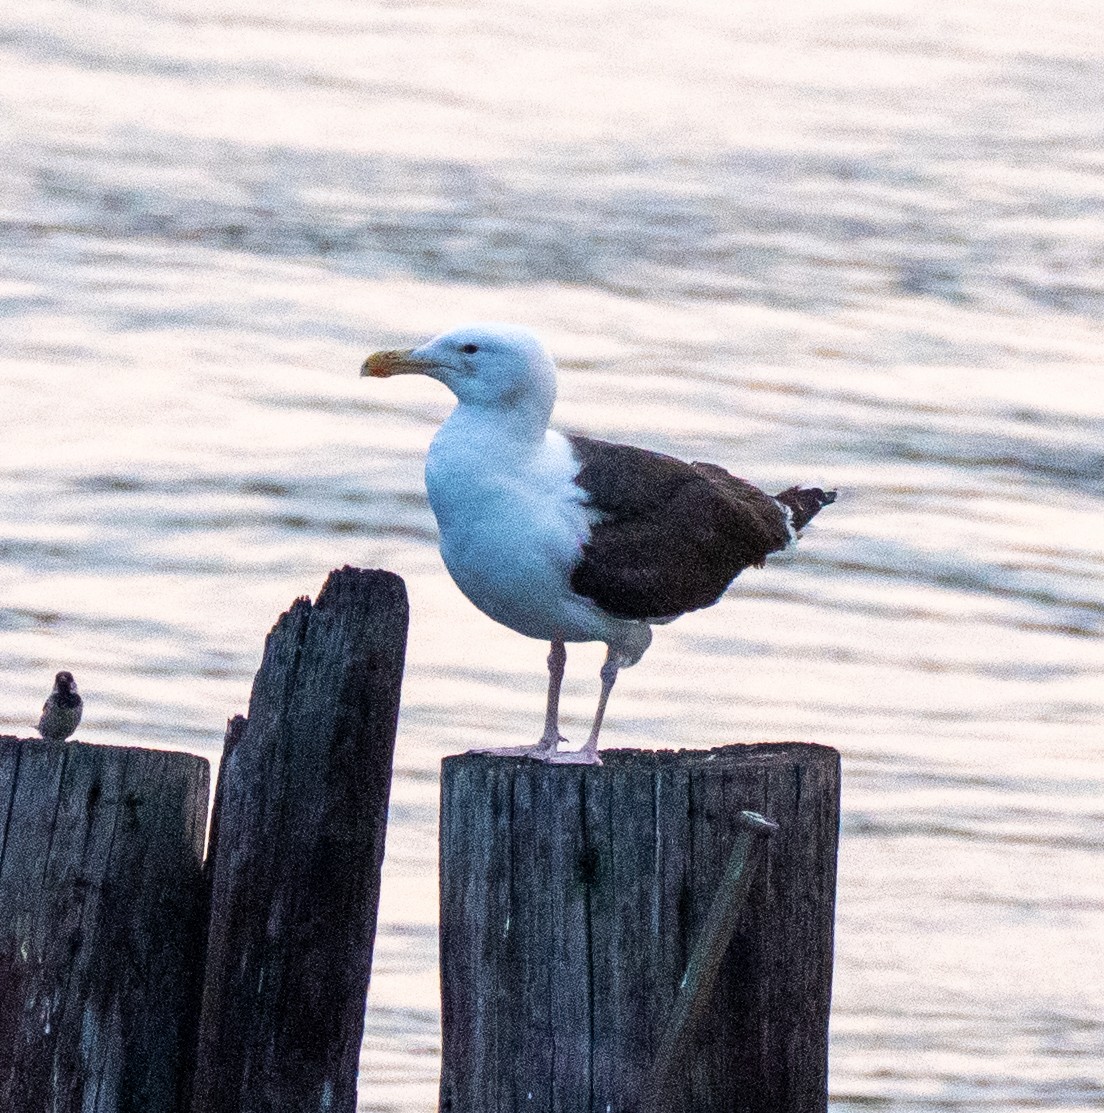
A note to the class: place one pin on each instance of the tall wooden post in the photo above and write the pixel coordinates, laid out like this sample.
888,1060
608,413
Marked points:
299,831
100,906
571,900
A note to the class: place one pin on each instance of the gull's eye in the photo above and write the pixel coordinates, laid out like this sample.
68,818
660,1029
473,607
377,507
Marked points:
469,349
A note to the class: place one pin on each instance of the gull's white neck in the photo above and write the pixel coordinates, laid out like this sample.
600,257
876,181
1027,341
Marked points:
477,448
524,423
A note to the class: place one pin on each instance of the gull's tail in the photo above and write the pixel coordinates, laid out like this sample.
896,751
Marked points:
805,503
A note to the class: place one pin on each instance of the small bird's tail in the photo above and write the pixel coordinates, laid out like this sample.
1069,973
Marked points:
805,503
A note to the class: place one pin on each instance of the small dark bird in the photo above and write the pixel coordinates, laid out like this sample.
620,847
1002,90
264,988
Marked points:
61,713
571,539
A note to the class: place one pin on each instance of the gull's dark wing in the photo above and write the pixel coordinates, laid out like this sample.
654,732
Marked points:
669,536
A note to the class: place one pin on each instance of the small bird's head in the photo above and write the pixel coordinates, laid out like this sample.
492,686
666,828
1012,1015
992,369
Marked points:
64,682
498,366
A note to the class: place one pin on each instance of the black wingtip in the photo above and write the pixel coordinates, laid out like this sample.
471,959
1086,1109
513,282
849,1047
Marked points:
805,503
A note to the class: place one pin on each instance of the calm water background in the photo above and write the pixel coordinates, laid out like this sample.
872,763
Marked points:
854,244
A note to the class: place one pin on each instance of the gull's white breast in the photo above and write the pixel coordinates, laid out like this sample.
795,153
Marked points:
512,523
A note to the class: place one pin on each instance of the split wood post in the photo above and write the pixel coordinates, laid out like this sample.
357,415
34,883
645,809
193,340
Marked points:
572,898
100,920
301,809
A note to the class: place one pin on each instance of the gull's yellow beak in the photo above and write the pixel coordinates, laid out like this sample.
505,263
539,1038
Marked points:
401,361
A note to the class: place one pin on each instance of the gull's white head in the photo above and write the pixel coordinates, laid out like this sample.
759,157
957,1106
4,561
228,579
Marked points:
501,367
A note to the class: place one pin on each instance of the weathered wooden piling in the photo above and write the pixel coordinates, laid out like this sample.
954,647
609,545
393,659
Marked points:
112,929
299,826
100,909
571,901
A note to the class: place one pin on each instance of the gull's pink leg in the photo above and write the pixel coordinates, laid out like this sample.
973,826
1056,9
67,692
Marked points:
588,755
546,748
557,661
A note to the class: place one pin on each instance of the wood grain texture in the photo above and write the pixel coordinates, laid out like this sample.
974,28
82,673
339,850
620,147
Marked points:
100,904
571,898
299,829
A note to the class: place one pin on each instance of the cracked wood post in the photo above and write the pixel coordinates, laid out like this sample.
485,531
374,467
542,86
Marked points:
572,898
298,835
100,925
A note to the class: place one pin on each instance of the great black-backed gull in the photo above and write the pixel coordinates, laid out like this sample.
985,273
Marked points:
61,713
570,539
